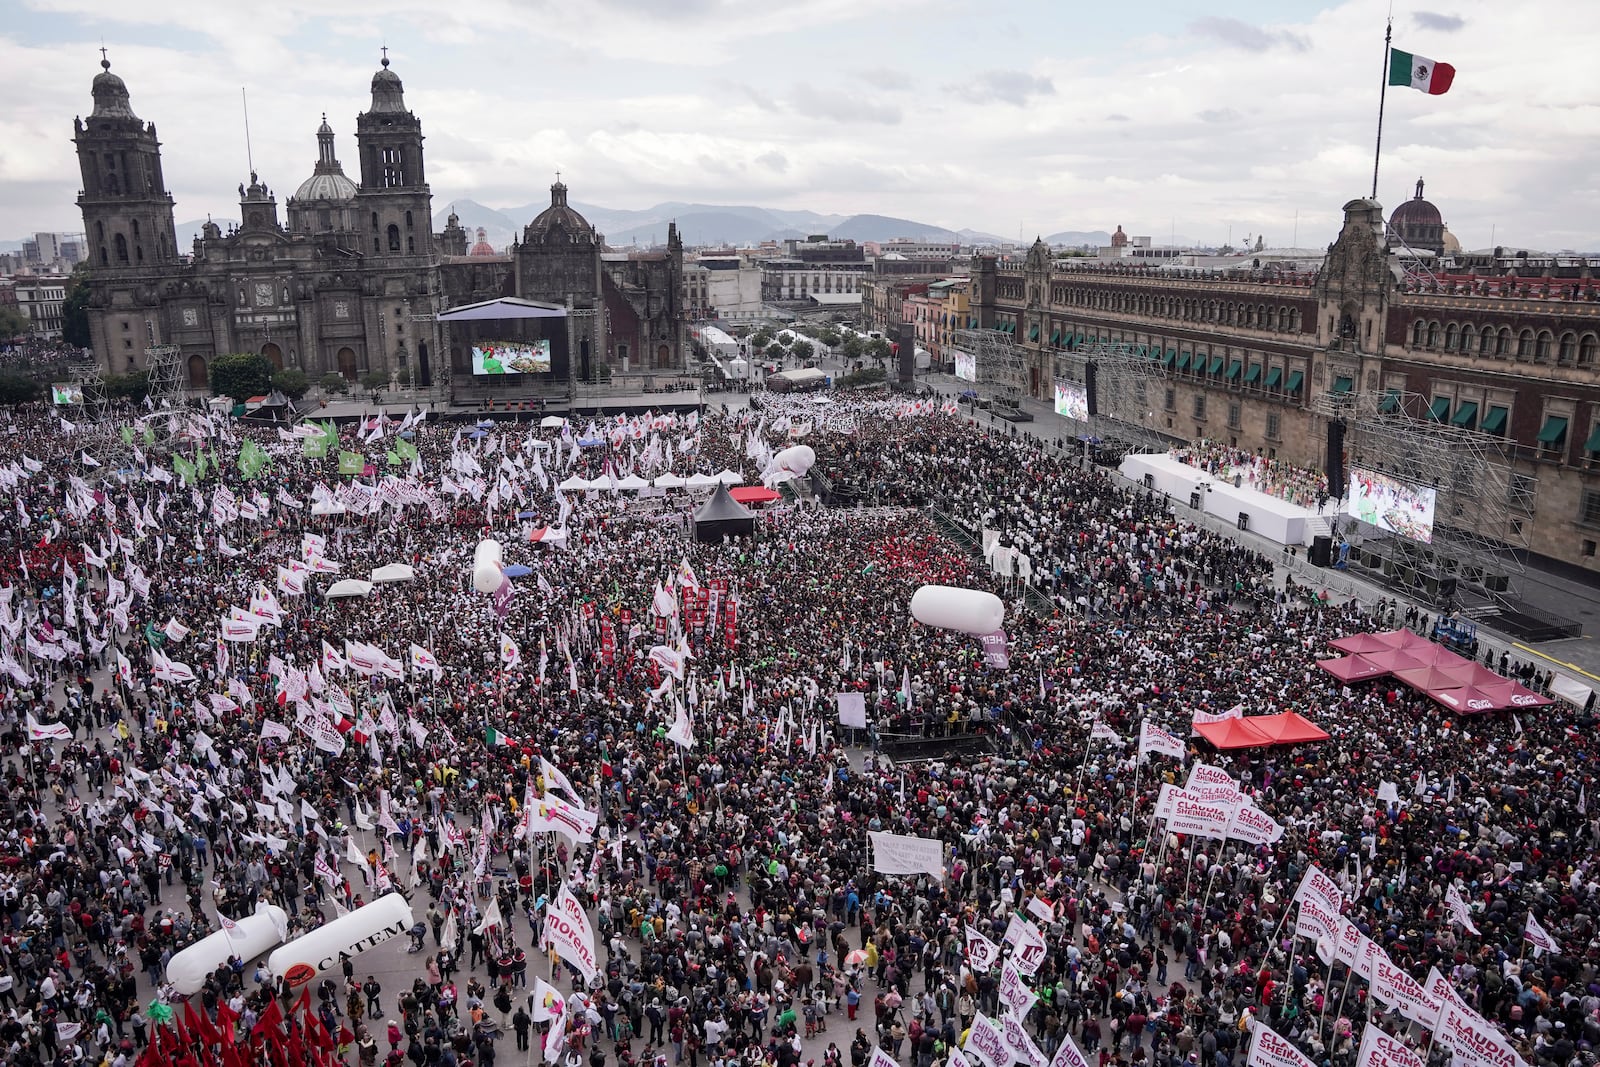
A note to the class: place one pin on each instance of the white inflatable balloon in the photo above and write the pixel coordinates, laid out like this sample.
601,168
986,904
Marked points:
967,611
797,459
324,948
189,969
486,572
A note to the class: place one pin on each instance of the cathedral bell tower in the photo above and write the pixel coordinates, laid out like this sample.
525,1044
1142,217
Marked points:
127,211
393,202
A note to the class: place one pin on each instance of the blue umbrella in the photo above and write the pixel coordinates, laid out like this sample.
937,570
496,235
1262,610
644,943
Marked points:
516,570
524,514
486,422
589,442
475,434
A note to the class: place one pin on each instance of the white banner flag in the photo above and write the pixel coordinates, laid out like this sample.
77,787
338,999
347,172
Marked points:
981,952
1153,738
987,1044
1268,1049
902,854
567,930
1537,936
1378,1049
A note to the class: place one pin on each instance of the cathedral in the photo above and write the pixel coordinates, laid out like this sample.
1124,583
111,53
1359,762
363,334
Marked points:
350,278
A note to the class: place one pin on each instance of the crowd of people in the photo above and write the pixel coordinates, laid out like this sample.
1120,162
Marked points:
730,877
1299,486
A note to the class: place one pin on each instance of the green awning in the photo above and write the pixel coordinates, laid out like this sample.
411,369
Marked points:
972,324
1439,410
1183,361
1295,378
1466,415
1343,385
1274,376
1011,327
1390,402
1166,360
1553,431
1033,332
1235,369
1495,421
1253,373
1055,338
1593,443
1216,365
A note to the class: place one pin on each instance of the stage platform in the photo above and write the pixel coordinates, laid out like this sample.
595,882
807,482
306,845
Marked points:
1272,518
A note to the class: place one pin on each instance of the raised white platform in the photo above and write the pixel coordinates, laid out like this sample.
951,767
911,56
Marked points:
1272,518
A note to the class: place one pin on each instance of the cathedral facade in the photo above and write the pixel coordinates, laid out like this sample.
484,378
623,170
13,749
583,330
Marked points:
349,280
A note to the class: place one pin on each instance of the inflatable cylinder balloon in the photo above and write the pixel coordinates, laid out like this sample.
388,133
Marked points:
797,460
326,947
486,571
967,611
189,969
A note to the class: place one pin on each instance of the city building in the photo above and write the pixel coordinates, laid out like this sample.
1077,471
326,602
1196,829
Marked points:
815,267
732,285
51,253
39,297
351,281
1505,344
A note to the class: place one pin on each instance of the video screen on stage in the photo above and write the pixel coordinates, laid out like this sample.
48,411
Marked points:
1072,401
511,357
1405,508
66,393
966,367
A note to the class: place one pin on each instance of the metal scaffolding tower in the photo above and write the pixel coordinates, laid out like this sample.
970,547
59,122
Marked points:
164,366
1127,384
1480,523
1001,366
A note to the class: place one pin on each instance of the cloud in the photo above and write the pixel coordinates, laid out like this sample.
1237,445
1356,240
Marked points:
886,78
1117,116
774,161
1218,115
813,102
1239,34
1005,86
1433,20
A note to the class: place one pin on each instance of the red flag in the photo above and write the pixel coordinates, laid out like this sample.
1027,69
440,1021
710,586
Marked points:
225,1022
296,1052
271,1020
199,1024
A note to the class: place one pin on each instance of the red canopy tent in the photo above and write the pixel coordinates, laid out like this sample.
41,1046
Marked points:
1471,700
1403,639
754,494
1361,643
1435,679
1352,668
1396,659
1289,728
1232,733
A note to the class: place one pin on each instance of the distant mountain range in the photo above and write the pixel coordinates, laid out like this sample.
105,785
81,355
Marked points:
702,224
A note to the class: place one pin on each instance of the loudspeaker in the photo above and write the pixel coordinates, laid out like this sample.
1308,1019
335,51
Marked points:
1194,500
908,353
1335,461
1089,386
1149,481
1447,588
1244,520
1321,551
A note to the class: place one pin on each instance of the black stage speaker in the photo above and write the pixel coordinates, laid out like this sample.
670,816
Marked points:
1447,588
1194,500
1335,467
1321,551
1244,520
1089,387
908,353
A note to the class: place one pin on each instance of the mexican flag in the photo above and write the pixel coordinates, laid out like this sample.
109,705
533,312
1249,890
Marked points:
495,738
1420,72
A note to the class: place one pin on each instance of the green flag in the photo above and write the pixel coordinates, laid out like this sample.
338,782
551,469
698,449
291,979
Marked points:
149,436
351,462
184,469
199,464
393,458
314,447
405,449
153,635
127,435
252,457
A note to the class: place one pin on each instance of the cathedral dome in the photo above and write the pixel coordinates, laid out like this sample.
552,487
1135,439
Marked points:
334,186
483,247
388,95
558,215
1418,223
110,95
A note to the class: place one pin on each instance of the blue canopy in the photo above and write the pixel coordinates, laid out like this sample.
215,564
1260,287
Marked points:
475,434
590,442
516,570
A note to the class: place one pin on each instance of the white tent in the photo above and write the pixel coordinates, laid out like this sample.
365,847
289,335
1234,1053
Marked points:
605,481
632,483
393,572
669,481
573,482
701,481
347,587
327,507
552,422
730,477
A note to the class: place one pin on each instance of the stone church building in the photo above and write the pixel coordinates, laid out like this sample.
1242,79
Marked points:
350,277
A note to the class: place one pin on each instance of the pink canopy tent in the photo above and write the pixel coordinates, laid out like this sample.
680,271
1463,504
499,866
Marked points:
1434,679
1471,700
1289,728
1361,643
1352,668
1403,639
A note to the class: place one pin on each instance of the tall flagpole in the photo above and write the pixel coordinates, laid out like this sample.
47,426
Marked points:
1383,89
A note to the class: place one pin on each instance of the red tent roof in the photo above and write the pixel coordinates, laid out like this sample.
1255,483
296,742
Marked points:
1433,679
1352,668
1470,700
1402,639
1361,643
1232,733
1289,728
754,494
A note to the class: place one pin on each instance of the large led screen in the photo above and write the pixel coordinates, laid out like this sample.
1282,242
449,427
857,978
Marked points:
1405,508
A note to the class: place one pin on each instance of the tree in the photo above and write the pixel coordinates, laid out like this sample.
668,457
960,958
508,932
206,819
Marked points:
854,346
13,323
16,389
241,375
75,310
291,382
829,337
133,386
761,340
878,348
803,349
375,380
334,382
775,351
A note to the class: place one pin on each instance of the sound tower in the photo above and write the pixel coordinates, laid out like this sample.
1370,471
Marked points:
1089,387
1335,464
908,353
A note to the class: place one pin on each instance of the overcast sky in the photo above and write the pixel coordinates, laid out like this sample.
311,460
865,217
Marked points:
1018,115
